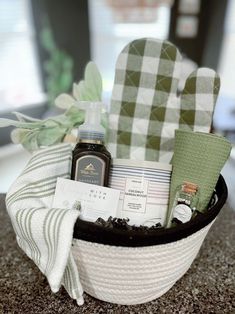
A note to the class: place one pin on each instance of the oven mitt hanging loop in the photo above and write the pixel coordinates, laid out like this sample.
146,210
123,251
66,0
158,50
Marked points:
145,109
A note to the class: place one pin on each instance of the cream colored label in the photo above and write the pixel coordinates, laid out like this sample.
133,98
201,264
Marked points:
96,201
135,195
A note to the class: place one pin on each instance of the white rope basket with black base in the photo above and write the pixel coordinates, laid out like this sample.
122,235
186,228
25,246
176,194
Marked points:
129,267
114,265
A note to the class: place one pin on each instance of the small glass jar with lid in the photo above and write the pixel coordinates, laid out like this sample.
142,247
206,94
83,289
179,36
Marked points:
185,204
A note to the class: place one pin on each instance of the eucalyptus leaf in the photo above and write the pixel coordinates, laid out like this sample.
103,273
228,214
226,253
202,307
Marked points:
30,142
84,92
34,133
7,122
75,115
64,101
24,118
51,136
17,135
76,92
19,124
93,79
54,121
61,121
89,89
49,123
81,91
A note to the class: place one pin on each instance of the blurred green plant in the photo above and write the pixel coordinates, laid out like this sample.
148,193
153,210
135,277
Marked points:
58,67
34,133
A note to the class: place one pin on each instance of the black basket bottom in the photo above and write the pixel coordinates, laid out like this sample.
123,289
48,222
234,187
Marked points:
91,232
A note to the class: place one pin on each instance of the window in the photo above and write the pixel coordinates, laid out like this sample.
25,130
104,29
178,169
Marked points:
227,63
20,82
114,23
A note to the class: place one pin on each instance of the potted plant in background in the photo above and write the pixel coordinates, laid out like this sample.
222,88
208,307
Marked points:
58,68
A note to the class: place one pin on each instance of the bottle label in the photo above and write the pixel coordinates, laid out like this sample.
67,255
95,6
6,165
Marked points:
135,196
90,169
182,212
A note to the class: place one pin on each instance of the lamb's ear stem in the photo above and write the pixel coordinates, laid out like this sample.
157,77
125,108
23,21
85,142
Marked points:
198,100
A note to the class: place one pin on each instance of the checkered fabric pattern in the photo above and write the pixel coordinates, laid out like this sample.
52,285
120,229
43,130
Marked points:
145,109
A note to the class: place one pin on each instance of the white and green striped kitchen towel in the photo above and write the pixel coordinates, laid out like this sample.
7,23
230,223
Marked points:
44,233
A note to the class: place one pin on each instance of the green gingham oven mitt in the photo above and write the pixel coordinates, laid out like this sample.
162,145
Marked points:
145,109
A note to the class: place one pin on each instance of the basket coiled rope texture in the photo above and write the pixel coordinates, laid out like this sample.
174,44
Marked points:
124,271
134,275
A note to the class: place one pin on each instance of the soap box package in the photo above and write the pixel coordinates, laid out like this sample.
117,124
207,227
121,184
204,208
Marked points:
96,201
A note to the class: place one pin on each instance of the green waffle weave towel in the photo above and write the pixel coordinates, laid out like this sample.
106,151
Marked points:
198,158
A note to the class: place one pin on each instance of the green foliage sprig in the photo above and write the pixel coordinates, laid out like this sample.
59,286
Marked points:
35,133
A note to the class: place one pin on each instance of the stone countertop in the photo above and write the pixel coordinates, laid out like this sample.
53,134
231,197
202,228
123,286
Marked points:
208,286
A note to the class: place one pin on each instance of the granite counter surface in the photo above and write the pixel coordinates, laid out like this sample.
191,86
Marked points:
208,286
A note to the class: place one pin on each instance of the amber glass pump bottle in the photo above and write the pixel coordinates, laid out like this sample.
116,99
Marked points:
91,160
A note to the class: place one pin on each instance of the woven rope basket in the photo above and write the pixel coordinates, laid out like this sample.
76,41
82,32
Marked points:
127,267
